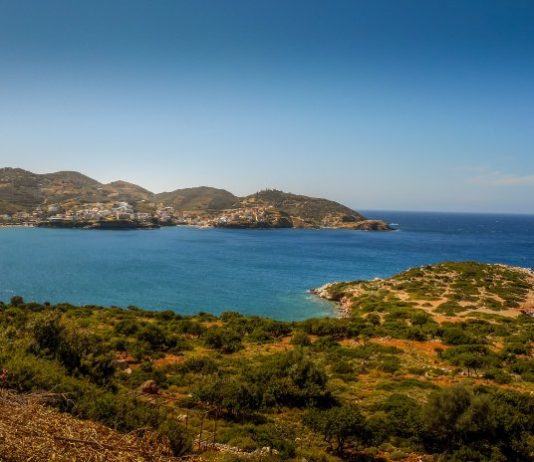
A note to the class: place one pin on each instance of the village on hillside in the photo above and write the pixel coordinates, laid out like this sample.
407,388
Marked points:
89,214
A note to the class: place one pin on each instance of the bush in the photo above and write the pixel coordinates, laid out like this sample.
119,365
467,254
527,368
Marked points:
230,396
290,379
458,336
223,339
498,375
179,440
300,338
17,300
390,364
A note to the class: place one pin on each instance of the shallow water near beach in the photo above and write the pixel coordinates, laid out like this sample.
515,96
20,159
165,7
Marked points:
255,272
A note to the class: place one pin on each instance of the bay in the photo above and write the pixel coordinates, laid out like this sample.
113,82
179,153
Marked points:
255,272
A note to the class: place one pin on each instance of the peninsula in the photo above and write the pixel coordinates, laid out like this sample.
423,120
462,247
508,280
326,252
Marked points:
73,200
448,290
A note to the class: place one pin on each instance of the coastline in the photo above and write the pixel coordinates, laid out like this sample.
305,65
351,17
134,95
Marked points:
342,308
346,292
119,226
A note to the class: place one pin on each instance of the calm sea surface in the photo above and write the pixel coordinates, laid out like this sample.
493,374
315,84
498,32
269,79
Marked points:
258,272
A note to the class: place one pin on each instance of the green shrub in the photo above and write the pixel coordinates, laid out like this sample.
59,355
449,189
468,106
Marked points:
223,339
179,440
300,338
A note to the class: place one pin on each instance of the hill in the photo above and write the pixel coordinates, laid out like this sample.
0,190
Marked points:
310,212
70,187
394,380
202,198
24,191
19,190
307,208
126,192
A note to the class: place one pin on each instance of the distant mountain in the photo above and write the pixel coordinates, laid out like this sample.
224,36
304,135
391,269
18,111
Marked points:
21,190
70,188
200,198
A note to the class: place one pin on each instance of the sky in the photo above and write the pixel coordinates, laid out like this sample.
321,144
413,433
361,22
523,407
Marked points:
392,105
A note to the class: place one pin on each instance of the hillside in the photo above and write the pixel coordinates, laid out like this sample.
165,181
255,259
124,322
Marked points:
395,380
448,289
308,209
23,191
127,192
200,198
70,187
309,212
19,190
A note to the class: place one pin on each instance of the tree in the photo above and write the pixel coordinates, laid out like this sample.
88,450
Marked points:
17,300
339,426
233,396
403,415
441,413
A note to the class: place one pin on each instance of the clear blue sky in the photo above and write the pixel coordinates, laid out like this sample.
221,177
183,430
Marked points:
410,105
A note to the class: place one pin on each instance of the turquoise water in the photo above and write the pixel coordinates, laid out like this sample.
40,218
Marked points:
263,272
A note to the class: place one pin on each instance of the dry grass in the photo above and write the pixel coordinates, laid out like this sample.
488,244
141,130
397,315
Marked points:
32,432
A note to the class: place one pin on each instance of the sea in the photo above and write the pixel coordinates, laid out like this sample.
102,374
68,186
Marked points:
255,272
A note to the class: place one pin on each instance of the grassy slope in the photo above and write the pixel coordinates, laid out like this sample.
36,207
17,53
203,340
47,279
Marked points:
267,373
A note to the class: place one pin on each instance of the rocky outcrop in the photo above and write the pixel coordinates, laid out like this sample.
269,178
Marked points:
343,303
150,387
371,225
122,224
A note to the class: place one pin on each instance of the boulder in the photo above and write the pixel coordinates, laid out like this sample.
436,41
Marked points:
150,387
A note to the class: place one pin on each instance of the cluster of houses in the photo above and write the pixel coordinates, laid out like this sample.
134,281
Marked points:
21,218
247,215
84,213
123,211
95,212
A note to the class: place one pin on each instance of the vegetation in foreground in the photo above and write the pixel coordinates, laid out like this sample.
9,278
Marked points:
32,431
394,380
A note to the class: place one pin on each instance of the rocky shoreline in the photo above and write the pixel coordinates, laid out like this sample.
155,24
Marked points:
342,306
344,293
99,225
278,223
